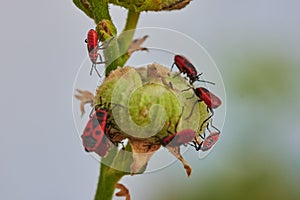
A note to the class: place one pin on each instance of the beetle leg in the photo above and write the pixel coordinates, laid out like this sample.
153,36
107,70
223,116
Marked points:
189,87
211,124
191,97
202,136
212,114
100,58
97,71
91,71
177,74
172,67
94,67
192,110
196,145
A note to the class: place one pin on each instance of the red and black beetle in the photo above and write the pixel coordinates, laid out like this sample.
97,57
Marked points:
208,142
186,67
93,48
211,100
94,135
178,138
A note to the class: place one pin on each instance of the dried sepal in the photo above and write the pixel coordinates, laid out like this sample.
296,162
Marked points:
85,97
176,152
176,5
124,192
136,45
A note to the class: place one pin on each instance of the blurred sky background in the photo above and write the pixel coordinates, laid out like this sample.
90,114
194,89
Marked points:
255,45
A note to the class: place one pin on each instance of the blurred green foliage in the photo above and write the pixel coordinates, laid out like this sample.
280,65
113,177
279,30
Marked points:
254,160
262,77
245,177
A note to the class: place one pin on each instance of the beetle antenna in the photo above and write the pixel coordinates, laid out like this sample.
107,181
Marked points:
192,110
209,82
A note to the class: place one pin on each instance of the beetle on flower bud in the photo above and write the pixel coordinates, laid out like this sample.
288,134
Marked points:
93,48
94,135
186,67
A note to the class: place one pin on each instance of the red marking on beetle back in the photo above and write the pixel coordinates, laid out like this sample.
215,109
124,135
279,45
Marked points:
92,45
93,48
211,100
103,148
186,67
94,135
210,141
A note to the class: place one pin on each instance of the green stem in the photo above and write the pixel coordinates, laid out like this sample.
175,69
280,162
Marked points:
140,5
100,10
109,173
107,181
112,56
85,6
124,41
117,163
126,37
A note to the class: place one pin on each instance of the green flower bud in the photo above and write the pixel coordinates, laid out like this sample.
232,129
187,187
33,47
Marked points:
150,103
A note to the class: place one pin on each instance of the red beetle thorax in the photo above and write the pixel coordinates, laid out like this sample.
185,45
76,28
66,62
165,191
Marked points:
92,44
211,100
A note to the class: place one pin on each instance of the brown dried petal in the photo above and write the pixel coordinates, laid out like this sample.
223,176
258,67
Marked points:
177,5
84,97
124,192
136,45
176,152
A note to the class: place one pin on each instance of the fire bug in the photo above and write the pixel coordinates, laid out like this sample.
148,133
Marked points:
210,99
178,138
94,138
186,67
93,48
208,142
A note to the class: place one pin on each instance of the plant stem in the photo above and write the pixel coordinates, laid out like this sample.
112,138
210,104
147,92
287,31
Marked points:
124,41
126,37
100,10
107,181
85,6
113,168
